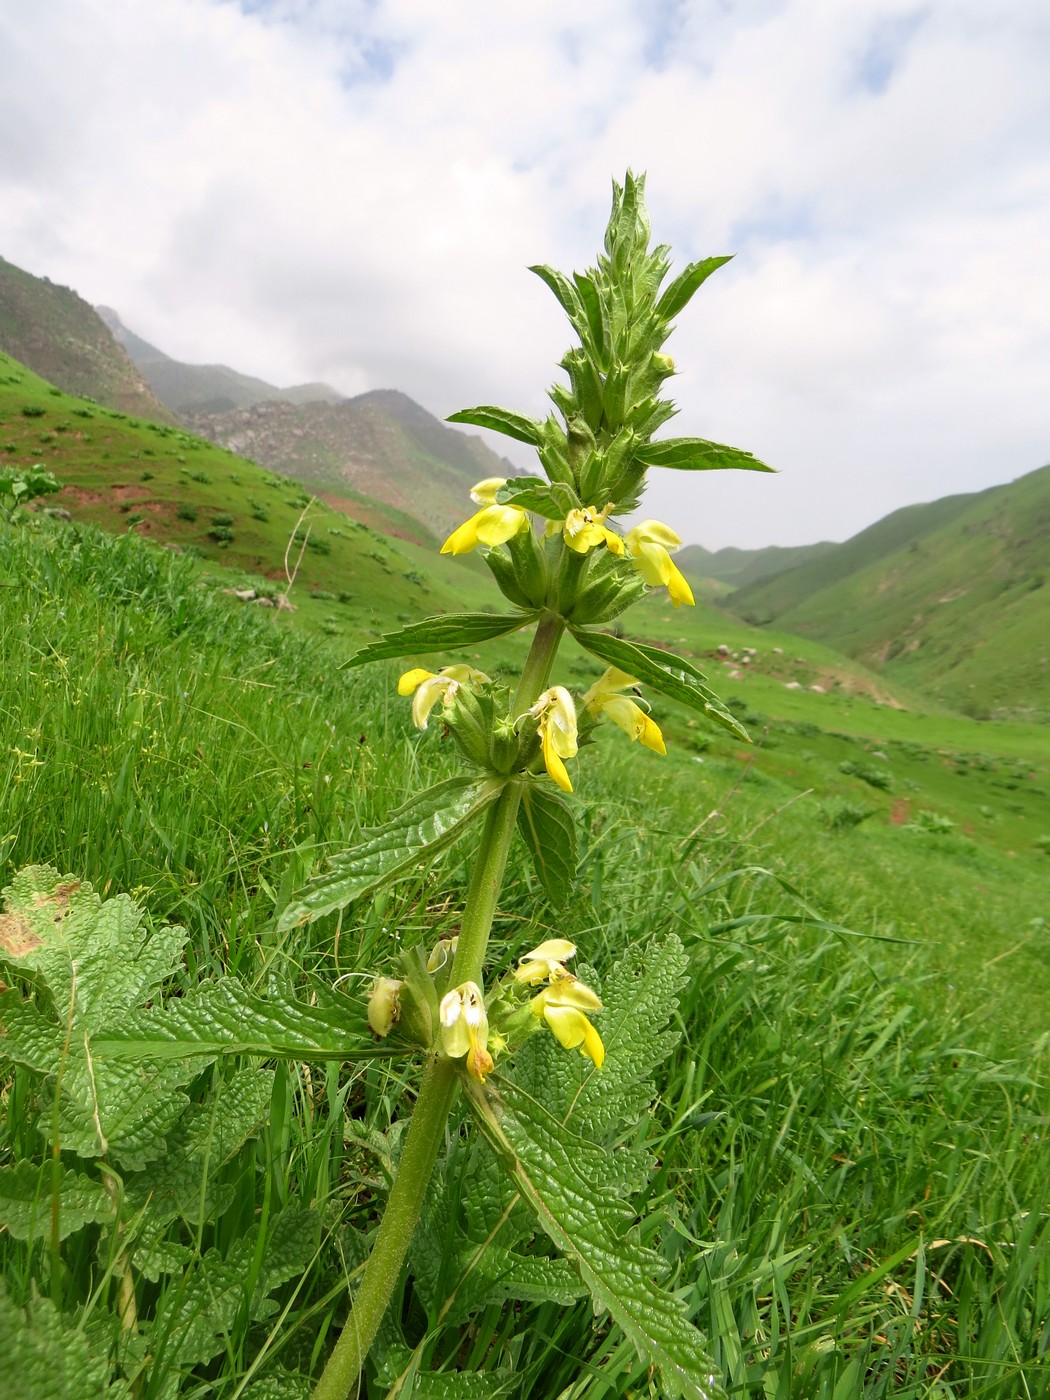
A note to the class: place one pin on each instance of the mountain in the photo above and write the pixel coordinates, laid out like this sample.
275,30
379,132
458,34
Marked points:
63,339
951,598
380,444
738,567
193,389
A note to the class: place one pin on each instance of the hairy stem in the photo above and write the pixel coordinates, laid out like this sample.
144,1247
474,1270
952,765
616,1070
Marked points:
437,1090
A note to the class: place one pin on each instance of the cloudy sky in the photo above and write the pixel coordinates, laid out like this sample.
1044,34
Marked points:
351,190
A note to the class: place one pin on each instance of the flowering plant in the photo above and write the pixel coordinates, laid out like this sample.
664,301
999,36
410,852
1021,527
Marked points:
572,576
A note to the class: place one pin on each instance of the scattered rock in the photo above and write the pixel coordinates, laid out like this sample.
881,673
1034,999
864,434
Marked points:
819,689
793,685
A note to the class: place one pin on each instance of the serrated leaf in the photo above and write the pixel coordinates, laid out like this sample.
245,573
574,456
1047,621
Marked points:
200,1310
553,501
697,455
94,963
47,1358
30,1192
226,1018
561,1177
444,633
546,823
679,293
418,831
669,674
501,420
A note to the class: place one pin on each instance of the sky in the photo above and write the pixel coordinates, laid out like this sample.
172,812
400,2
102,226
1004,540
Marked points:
352,191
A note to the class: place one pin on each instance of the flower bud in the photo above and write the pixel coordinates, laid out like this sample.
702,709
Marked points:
384,1005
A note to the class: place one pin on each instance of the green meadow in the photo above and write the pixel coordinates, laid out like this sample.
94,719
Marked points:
848,1140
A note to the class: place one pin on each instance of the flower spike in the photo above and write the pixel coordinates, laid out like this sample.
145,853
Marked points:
604,698
651,545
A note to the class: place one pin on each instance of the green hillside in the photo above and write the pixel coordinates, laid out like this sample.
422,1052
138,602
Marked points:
764,600
57,334
949,598
380,444
356,575
186,388
738,567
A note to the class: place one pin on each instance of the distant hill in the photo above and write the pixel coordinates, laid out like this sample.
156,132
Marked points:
194,389
380,444
63,339
738,567
952,598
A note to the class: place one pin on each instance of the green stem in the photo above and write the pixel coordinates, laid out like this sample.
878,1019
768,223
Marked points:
440,1078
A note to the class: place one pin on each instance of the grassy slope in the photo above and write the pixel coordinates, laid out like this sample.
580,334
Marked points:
849,1192
121,473
962,612
62,338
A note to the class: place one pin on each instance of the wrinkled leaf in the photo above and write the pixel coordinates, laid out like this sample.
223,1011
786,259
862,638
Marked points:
417,831
696,455
225,1018
669,674
441,633
29,1190
561,1177
47,1358
546,823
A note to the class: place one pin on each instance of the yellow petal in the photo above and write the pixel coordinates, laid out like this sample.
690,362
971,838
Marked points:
463,540
572,1029
653,532
410,681
552,761
677,586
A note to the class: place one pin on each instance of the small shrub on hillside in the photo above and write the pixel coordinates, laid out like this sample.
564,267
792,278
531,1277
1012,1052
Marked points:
202,477
146,476
33,410
874,777
844,816
222,518
261,515
221,534
1042,843
186,512
928,823
82,412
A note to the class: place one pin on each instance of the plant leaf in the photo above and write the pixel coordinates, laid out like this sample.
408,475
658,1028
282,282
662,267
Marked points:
679,293
696,455
440,633
27,1193
560,1176
501,420
417,831
48,1357
225,1018
546,822
669,674
552,501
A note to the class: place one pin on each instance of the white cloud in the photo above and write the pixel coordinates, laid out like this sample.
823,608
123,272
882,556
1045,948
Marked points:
315,189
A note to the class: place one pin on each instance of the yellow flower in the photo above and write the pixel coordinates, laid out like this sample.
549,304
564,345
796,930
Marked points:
650,545
493,524
546,963
562,1005
604,698
465,1028
428,687
557,728
584,529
